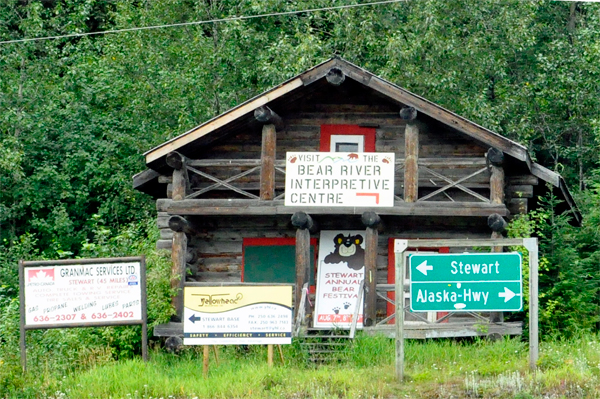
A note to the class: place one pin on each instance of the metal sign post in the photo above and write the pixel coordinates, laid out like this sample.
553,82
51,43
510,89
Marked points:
441,278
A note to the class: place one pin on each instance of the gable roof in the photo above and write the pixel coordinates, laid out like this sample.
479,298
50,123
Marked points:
215,128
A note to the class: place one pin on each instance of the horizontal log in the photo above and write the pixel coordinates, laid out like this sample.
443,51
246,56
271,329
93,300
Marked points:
258,207
164,244
166,234
180,224
218,276
266,115
522,180
175,160
521,191
438,161
518,206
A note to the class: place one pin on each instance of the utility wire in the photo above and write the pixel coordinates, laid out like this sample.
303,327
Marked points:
243,17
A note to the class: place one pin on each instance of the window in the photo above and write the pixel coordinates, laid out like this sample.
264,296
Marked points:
347,138
350,143
273,260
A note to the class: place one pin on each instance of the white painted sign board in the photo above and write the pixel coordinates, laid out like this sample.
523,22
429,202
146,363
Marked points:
82,293
364,179
341,270
237,315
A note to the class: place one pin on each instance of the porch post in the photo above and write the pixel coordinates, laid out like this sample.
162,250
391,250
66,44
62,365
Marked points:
371,220
271,122
495,159
303,223
179,247
411,154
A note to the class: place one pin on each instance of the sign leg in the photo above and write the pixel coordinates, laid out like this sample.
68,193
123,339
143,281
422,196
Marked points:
270,355
205,360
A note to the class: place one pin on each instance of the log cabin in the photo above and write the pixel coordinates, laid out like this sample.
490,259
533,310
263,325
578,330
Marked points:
220,192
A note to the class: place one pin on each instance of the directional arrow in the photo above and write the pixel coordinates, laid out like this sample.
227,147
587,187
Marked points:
507,294
424,267
194,319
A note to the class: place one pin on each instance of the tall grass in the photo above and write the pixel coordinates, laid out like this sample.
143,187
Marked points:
434,369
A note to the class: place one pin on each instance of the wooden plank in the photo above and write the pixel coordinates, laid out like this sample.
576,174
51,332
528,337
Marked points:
522,180
276,207
318,72
352,71
497,185
221,120
144,177
545,174
213,277
447,330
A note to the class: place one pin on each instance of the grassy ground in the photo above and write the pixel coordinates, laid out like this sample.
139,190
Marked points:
434,369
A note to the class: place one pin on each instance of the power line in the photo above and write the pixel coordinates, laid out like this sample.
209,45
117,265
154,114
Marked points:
229,19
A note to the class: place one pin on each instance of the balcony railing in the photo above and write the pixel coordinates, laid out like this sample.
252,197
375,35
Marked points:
447,179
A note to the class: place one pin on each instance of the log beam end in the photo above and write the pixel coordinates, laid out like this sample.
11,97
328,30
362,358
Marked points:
495,156
497,223
371,219
302,220
175,160
335,76
409,114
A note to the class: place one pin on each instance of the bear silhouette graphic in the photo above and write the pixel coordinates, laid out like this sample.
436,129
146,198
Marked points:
347,249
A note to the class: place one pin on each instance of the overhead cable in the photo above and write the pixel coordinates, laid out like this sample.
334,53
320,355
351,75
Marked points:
228,19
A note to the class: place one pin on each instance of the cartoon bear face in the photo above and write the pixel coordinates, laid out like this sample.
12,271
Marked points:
347,249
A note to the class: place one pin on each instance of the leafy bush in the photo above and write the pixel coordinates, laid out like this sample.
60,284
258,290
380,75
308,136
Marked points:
568,265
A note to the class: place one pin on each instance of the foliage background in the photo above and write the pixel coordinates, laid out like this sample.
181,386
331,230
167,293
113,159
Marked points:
77,113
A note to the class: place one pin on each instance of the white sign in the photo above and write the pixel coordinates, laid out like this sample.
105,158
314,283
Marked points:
237,315
82,293
341,270
364,179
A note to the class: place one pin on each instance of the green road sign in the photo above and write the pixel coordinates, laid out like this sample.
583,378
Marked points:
466,282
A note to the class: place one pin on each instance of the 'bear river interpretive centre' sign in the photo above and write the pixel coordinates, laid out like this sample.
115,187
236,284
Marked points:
363,179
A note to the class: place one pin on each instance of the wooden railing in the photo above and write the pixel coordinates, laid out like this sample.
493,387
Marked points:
440,179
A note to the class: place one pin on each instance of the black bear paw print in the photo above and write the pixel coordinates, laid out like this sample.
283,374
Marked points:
347,305
336,310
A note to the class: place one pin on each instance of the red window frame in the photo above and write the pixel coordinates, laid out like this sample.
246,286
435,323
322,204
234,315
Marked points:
279,241
391,273
346,130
